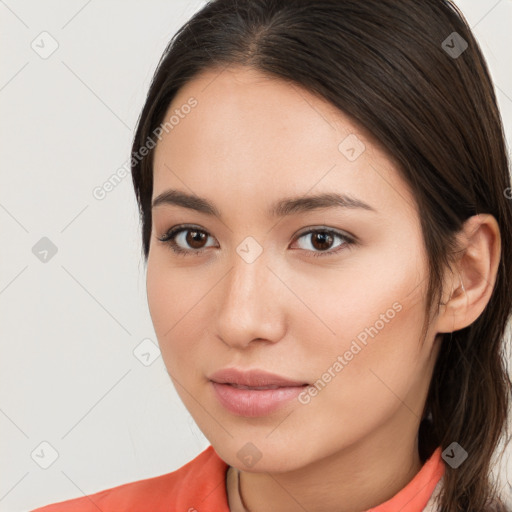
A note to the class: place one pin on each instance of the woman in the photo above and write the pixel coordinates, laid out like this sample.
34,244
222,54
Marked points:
327,225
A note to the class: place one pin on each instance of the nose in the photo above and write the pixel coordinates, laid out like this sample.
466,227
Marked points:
252,303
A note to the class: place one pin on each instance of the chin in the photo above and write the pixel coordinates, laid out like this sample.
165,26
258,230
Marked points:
261,456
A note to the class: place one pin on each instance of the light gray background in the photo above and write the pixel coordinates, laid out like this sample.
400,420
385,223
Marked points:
70,325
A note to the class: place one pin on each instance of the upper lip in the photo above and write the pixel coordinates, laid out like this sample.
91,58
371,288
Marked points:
252,378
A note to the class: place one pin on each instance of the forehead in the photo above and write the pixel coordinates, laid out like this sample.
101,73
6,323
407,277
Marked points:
253,133
242,93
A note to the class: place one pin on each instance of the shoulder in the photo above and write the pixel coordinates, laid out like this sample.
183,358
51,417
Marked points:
199,484
434,503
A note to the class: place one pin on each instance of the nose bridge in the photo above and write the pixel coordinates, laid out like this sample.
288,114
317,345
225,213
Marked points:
249,278
250,306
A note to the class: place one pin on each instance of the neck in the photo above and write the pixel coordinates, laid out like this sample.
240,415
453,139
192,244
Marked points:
353,479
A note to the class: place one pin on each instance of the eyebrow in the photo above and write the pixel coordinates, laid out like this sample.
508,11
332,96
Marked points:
281,208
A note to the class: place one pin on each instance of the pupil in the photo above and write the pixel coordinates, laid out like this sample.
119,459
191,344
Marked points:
192,238
324,239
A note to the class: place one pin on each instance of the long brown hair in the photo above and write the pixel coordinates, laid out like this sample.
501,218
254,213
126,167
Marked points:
413,75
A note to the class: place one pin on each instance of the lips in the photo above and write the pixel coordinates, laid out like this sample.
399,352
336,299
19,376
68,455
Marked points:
238,386
252,402
253,379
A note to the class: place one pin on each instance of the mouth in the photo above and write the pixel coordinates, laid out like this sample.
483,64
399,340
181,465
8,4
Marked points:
253,379
253,392
260,388
254,401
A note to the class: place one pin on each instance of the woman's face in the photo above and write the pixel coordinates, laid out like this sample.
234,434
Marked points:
259,290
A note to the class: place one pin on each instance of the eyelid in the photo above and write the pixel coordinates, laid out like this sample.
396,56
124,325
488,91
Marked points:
170,235
348,241
336,231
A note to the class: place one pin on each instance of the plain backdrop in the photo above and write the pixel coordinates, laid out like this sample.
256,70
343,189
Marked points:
83,407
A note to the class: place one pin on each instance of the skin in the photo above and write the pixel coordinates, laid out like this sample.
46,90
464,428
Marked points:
250,141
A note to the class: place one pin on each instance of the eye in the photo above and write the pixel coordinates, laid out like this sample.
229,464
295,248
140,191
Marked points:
185,235
321,240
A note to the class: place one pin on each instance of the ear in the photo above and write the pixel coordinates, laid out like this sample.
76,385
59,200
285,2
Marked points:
468,290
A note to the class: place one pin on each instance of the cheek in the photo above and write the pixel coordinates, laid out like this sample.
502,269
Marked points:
161,293
374,314
361,384
166,303
377,291
177,298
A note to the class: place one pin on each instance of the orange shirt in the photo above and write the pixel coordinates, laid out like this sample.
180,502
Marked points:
200,486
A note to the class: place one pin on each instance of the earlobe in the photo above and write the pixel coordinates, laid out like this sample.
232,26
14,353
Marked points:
477,269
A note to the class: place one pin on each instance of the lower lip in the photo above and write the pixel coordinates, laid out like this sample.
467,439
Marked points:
254,402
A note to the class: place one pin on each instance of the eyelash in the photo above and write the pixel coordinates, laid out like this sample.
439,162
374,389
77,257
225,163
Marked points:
169,239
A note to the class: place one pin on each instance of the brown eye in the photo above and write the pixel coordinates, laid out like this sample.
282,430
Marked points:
185,240
188,240
195,238
321,242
